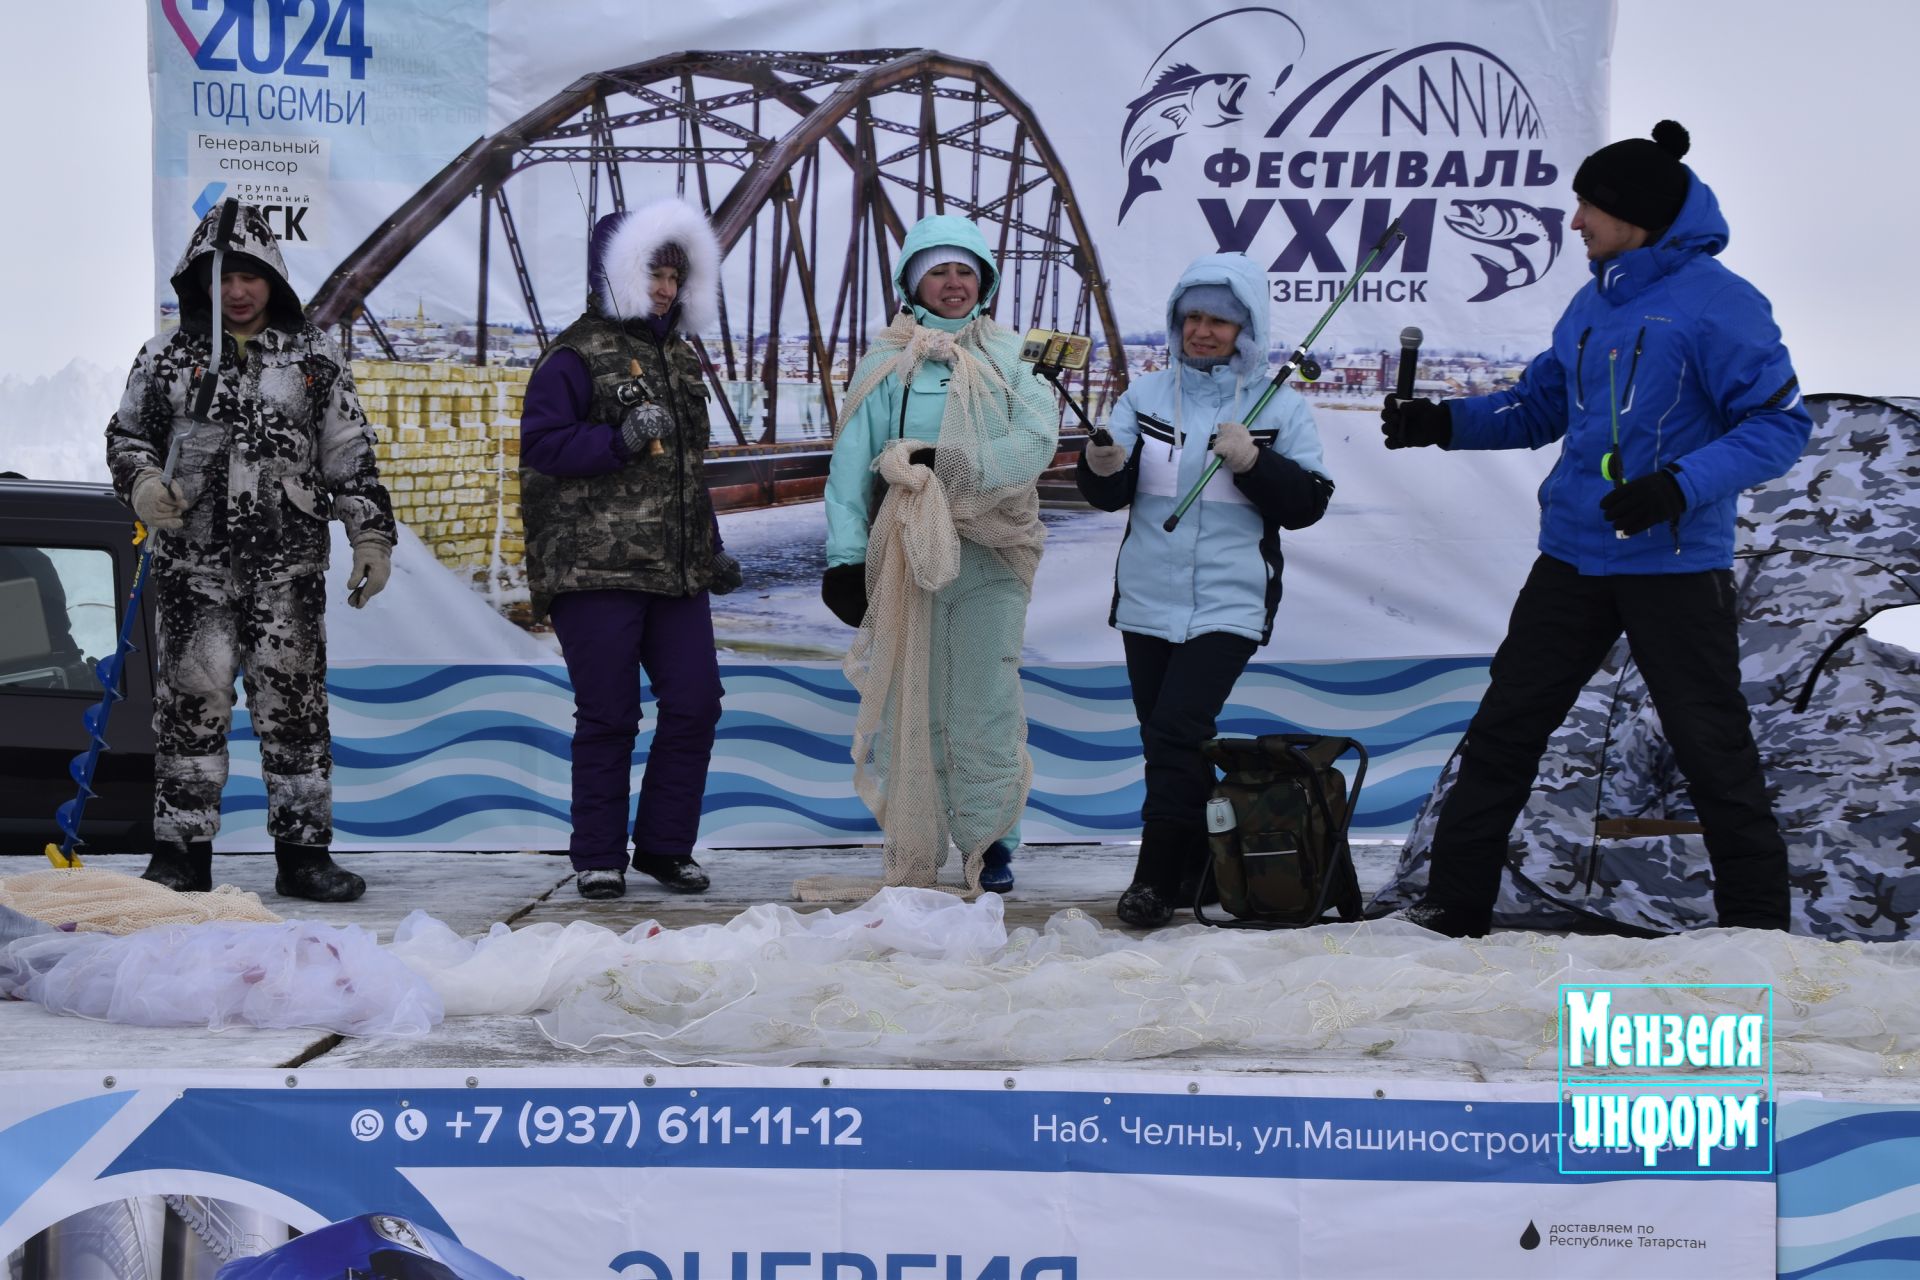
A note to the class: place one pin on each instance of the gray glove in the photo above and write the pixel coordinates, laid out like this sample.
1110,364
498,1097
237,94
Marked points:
1106,459
160,504
726,577
1234,444
372,565
644,427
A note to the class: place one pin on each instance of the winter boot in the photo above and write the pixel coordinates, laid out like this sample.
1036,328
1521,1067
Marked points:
1445,918
679,872
601,884
1154,895
184,868
996,867
1145,907
306,871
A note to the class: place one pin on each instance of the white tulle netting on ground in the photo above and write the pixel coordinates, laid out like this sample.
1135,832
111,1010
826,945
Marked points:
920,977
917,977
222,974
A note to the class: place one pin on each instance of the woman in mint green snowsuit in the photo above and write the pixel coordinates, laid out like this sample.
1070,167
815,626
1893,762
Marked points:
987,451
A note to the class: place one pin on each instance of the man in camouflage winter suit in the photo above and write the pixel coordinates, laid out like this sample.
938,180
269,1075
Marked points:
271,445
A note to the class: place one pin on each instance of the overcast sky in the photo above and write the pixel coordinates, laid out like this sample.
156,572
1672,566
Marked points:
1801,120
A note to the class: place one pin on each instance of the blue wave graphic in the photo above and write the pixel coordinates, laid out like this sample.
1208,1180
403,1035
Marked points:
1845,1134
1870,1170
1856,1261
1807,1258
1373,677
770,755
397,684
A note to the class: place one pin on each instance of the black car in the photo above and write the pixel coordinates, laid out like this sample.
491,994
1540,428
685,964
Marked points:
67,565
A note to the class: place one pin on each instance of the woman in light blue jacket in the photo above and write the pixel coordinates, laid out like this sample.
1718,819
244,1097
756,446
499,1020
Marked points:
933,537
1193,605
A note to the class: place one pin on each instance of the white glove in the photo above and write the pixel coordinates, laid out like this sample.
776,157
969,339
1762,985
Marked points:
1106,459
160,504
1236,447
372,565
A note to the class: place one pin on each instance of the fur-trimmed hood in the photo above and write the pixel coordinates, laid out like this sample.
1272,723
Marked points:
246,231
623,244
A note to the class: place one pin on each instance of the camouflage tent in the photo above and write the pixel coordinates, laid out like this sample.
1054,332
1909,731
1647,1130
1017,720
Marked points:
1609,832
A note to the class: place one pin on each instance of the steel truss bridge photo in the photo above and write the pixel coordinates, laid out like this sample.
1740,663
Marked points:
812,166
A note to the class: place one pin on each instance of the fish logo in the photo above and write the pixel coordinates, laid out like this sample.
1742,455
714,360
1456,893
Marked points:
1160,117
1181,97
1530,236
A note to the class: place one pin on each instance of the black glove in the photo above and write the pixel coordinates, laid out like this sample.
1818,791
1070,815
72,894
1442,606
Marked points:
726,578
1638,505
844,590
921,457
1413,424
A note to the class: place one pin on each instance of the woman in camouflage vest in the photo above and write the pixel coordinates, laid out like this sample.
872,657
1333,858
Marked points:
622,544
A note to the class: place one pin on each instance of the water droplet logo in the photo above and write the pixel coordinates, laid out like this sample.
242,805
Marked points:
1530,1238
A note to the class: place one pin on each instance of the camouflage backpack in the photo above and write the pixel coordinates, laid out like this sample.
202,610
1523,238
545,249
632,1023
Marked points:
1277,831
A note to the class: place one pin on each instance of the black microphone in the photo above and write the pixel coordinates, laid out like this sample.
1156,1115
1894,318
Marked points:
1409,357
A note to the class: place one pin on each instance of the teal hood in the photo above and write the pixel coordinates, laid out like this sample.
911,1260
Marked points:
1249,284
946,229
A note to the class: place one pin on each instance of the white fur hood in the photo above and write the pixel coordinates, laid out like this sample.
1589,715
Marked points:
623,245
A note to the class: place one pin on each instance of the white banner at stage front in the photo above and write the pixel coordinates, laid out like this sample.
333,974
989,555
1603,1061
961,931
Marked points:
678,1174
1293,133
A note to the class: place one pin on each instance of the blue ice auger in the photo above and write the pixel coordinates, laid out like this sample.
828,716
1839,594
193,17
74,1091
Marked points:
111,669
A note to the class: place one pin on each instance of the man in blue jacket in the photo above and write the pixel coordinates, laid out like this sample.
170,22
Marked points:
1670,391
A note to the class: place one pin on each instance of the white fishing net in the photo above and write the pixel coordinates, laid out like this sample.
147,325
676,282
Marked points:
917,977
998,432
295,973
96,901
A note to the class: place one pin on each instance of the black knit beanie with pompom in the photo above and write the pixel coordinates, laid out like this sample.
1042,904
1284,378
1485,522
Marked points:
1638,180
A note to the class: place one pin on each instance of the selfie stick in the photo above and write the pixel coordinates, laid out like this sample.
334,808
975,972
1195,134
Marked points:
1051,372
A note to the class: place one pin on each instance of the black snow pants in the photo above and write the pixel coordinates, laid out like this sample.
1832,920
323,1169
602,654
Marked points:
1683,633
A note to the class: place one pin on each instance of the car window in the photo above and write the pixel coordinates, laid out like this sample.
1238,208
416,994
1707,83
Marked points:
57,617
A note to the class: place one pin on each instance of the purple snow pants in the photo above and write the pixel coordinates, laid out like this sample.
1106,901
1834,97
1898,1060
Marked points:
607,639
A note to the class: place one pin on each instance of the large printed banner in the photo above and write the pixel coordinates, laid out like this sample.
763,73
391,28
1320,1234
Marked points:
676,1174
1100,146
433,166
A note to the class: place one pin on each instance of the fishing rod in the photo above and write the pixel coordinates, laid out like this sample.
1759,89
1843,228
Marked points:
1298,360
